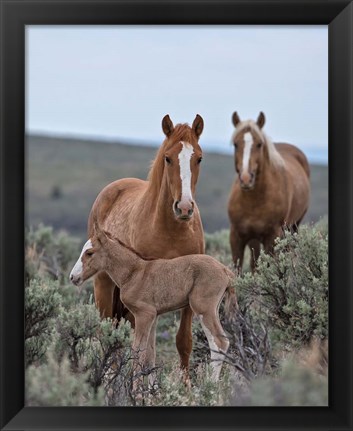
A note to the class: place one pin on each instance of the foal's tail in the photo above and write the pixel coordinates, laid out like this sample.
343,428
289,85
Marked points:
231,303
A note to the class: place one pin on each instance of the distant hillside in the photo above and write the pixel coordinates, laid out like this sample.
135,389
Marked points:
64,176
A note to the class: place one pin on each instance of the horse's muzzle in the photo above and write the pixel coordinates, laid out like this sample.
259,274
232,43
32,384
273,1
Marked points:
75,280
183,211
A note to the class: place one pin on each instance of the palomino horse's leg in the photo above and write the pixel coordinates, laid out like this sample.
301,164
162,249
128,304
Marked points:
184,340
103,294
255,247
237,245
217,341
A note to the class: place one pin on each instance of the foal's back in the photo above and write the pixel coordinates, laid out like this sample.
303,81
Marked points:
166,284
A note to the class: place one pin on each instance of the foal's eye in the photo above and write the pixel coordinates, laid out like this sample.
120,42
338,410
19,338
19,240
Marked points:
235,145
259,145
167,159
199,160
89,253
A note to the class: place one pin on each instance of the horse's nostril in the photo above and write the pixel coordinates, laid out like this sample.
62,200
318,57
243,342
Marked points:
190,212
71,277
177,210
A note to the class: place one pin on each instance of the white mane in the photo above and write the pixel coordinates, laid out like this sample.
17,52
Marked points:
274,156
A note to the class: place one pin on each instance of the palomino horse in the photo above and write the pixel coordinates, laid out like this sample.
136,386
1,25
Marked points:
158,217
150,287
272,189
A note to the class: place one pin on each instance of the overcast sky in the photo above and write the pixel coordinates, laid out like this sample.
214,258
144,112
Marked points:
118,82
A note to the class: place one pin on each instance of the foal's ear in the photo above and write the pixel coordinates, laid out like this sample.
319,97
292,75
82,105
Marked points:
261,120
197,125
167,125
235,119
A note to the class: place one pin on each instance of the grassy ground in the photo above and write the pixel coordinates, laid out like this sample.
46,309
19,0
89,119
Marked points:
64,176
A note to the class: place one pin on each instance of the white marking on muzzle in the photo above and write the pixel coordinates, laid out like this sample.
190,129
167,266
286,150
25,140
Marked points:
247,150
77,269
185,171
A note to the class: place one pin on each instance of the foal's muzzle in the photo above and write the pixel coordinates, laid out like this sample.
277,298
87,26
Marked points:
75,280
183,210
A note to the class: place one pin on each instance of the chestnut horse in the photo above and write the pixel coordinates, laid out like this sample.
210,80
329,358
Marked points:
272,189
158,218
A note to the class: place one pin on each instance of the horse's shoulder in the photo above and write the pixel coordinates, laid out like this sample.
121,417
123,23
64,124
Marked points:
110,194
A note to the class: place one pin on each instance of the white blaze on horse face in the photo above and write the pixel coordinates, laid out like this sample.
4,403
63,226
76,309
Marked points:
77,269
247,150
185,171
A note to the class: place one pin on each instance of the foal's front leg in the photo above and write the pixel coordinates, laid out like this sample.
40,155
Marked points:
144,322
184,341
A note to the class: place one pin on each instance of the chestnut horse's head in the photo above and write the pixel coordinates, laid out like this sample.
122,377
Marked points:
178,163
252,147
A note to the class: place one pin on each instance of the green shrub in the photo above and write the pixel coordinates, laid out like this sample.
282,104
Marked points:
42,301
54,384
295,386
49,253
289,290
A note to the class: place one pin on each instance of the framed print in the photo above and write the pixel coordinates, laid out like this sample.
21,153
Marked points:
92,93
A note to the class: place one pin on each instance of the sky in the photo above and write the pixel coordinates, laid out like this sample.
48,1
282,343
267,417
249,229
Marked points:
117,82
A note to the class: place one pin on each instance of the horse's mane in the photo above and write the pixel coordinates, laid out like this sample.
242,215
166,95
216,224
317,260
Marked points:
181,132
274,156
134,251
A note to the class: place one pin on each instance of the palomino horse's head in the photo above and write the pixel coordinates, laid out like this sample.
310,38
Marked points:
180,157
249,142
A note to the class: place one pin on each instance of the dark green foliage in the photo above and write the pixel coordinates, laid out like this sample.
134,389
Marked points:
289,290
49,253
295,386
42,301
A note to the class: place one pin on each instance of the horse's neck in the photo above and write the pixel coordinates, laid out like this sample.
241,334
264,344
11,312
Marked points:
268,175
122,263
159,202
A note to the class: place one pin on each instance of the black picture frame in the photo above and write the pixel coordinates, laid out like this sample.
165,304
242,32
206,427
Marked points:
15,15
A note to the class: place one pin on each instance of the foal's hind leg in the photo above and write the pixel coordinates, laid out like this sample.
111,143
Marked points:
217,341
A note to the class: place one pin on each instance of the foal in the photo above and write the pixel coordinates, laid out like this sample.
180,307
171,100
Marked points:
150,287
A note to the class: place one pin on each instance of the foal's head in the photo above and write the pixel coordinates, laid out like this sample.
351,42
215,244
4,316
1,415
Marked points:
249,141
179,161
93,258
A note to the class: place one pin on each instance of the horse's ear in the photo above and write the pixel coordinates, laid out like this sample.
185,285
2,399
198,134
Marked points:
167,125
261,120
197,125
235,119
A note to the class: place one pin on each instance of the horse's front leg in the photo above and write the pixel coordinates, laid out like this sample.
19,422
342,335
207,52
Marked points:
184,342
104,294
237,246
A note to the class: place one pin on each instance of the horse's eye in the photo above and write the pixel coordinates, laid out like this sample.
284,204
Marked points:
89,253
235,145
167,159
199,161
259,145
